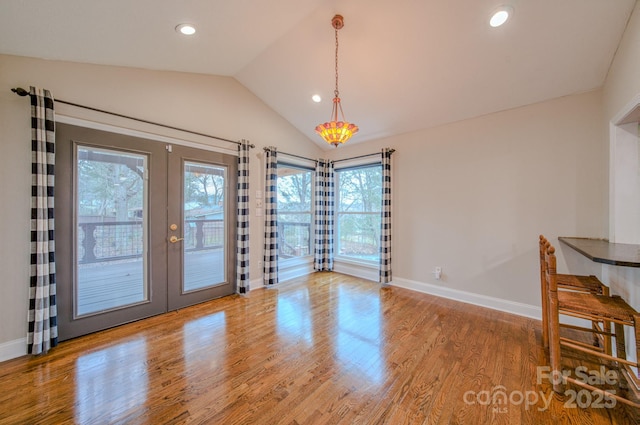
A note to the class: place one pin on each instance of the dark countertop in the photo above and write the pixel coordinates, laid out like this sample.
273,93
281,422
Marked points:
602,251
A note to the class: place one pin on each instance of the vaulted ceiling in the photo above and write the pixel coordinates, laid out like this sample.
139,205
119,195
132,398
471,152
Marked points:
404,65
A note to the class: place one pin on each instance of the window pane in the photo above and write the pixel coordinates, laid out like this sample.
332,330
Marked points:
358,212
204,225
360,189
294,189
294,211
359,236
294,231
111,227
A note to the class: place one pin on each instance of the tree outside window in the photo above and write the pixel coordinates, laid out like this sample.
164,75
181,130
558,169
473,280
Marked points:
295,191
359,199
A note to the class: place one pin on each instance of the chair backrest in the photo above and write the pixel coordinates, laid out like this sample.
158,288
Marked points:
550,268
543,250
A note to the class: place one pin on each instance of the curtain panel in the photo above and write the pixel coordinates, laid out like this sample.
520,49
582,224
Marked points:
242,233
43,318
270,264
324,216
385,224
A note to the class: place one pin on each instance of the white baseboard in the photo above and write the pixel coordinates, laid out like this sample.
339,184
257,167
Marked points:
256,284
288,273
358,270
285,274
12,349
507,306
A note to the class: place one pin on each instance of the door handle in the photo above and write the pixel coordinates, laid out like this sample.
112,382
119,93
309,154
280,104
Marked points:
174,239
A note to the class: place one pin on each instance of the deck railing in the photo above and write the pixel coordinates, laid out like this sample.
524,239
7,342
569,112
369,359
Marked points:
294,239
120,240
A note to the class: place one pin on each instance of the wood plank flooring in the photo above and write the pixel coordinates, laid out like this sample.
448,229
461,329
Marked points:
324,349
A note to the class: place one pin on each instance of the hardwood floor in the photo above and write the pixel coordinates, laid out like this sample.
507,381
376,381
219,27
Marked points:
324,349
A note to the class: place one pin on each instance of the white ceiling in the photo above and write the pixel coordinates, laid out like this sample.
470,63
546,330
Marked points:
405,65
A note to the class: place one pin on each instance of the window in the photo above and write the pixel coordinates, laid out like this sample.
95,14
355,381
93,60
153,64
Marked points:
359,199
295,191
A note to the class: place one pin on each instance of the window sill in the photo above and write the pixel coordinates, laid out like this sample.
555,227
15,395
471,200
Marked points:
361,263
295,261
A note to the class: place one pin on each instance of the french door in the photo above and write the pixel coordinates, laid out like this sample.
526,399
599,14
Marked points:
201,210
141,228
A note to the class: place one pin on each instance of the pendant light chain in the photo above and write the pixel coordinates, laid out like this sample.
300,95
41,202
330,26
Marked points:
336,92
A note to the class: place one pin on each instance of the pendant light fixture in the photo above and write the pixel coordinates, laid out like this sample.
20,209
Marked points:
336,132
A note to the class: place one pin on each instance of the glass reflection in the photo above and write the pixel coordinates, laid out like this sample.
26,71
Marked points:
205,346
110,382
111,217
293,316
204,225
205,338
358,341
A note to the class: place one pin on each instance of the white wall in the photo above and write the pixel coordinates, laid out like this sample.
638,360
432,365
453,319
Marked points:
621,92
623,79
473,196
620,89
208,104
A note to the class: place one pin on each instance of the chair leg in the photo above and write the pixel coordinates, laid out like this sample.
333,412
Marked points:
596,337
636,326
606,326
544,293
554,347
621,349
545,315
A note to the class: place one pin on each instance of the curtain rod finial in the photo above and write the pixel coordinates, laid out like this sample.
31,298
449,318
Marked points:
20,91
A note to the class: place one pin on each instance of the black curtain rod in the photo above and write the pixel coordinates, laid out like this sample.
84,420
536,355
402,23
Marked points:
337,160
291,154
22,92
362,156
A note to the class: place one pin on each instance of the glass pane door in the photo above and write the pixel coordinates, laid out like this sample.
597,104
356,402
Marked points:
141,228
111,219
201,225
204,225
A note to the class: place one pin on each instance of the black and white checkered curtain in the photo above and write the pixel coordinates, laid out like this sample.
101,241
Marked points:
385,225
242,232
270,272
43,316
323,216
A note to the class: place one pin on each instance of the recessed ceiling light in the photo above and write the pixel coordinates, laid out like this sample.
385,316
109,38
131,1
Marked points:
186,29
316,98
500,16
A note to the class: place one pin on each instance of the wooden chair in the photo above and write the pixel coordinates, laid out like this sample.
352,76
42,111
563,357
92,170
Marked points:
575,283
592,307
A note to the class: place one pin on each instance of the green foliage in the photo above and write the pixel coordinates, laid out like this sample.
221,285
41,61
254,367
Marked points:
294,189
358,217
109,185
360,189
